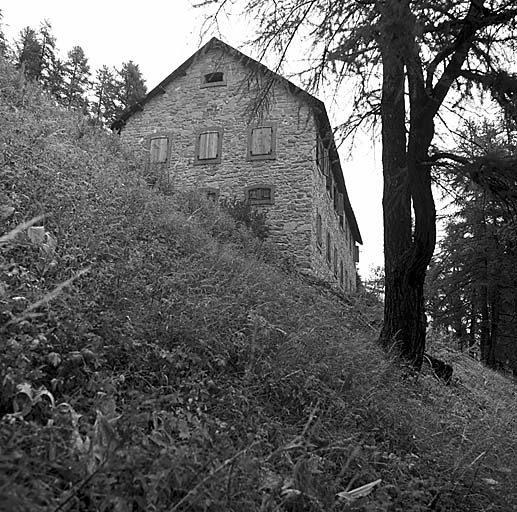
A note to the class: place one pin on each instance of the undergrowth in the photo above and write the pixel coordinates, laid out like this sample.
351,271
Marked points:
157,356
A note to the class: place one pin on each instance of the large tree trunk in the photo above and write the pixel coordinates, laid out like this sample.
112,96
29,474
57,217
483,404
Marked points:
407,185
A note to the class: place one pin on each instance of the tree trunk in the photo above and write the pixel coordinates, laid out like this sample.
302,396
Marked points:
484,328
407,184
495,300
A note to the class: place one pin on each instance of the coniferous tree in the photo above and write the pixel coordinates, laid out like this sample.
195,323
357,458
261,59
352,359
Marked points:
48,57
132,86
106,90
28,53
472,284
76,75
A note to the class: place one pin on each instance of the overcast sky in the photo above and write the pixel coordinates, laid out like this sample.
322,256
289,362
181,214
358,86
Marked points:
159,35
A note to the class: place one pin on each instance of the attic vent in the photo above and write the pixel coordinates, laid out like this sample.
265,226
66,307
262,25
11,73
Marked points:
213,79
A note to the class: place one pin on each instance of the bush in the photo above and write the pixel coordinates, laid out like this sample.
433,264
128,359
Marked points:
248,215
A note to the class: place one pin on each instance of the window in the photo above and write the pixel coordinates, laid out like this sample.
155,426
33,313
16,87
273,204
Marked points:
335,261
329,249
213,79
158,149
262,142
322,157
356,253
329,184
319,232
209,146
341,272
260,194
340,204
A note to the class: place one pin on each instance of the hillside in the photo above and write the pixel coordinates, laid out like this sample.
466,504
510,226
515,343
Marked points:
156,355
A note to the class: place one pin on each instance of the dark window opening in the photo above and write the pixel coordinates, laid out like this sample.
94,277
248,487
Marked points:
214,78
319,233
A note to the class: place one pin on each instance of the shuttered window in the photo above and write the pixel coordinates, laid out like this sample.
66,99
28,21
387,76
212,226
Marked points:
319,232
335,261
209,146
263,194
262,142
158,150
356,253
341,272
322,157
329,248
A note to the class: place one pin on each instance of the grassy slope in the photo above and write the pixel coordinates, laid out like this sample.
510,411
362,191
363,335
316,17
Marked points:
190,372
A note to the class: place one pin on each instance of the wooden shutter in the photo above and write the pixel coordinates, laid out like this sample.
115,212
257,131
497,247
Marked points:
322,156
159,149
208,145
261,141
356,253
318,229
340,204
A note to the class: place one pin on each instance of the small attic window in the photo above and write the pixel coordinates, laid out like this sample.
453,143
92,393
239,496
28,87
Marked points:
213,79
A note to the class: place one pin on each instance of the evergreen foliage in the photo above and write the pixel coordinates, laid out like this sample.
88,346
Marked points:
76,77
131,85
69,80
472,286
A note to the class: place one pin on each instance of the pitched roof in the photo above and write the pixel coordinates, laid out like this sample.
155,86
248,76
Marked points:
317,105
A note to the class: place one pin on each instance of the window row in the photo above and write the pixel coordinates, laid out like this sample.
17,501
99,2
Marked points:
324,164
254,195
209,145
332,251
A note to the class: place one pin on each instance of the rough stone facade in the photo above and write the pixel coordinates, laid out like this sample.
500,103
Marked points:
188,104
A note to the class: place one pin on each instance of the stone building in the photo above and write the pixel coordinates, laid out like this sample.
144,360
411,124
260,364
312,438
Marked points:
226,125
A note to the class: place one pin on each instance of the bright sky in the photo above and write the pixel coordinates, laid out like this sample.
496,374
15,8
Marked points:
159,35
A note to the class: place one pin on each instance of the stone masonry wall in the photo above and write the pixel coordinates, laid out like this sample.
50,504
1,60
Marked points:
186,107
341,239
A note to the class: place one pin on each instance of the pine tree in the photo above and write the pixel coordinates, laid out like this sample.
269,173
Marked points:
28,53
48,57
131,85
472,284
106,90
76,74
